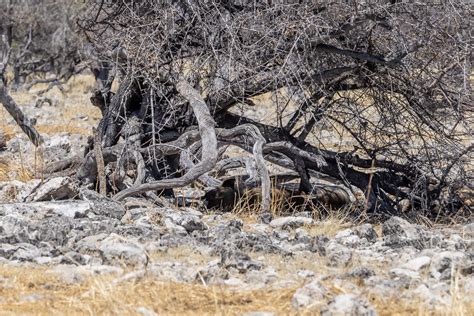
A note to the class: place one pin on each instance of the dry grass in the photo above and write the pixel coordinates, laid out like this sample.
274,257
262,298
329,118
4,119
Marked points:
73,114
41,293
15,170
98,296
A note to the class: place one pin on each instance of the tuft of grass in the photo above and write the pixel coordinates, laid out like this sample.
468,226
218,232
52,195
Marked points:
15,170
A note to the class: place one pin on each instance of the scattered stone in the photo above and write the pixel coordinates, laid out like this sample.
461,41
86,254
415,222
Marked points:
265,218
72,209
404,273
60,188
417,264
70,273
114,249
366,231
348,237
291,222
348,304
361,273
312,294
17,191
337,254
446,262
469,230
399,233
305,274
25,252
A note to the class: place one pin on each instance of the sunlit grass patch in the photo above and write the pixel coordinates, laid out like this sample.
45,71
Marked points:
40,293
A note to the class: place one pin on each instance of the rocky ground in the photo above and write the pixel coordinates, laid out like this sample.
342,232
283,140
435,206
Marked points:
67,249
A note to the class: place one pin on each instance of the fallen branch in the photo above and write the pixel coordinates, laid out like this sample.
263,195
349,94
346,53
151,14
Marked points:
100,163
10,105
209,149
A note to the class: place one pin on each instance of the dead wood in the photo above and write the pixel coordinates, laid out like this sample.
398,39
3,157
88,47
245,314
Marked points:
23,122
391,91
209,149
100,163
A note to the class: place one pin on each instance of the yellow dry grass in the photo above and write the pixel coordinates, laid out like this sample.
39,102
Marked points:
73,113
15,170
99,296
39,292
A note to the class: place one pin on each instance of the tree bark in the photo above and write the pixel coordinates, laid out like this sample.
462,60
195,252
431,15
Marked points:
10,105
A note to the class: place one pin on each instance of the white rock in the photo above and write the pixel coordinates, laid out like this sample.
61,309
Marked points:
173,228
417,264
469,286
469,230
73,209
337,254
116,249
291,222
260,228
43,260
16,191
25,252
59,188
430,298
145,311
344,233
443,263
76,274
349,304
305,274
235,282
309,295
399,272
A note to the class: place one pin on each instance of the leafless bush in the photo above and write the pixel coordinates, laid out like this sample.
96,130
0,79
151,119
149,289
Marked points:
393,76
42,40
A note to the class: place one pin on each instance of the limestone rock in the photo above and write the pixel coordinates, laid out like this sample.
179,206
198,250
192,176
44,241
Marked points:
446,262
59,188
417,264
348,304
338,255
309,295
366,231
399,233
291,222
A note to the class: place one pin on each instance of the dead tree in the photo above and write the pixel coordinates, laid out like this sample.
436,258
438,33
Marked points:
44,44
39,44
390,78
5,99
